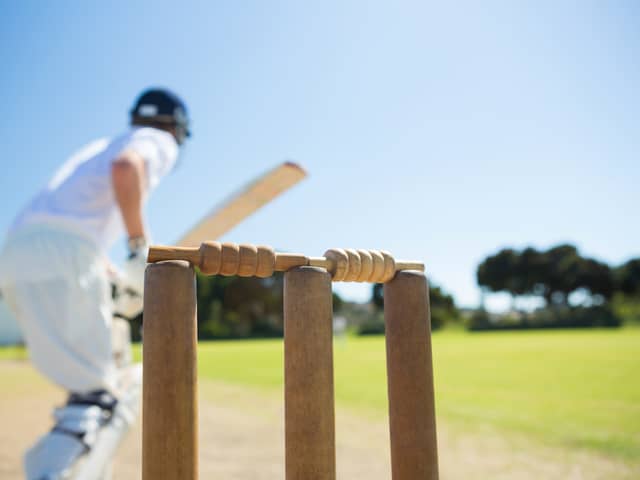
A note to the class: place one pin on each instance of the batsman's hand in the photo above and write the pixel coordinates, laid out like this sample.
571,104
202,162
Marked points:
134,267
128,285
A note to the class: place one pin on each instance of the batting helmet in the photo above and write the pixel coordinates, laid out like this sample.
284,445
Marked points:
159,105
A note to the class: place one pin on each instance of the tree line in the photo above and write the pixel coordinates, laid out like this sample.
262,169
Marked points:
575,290
557,273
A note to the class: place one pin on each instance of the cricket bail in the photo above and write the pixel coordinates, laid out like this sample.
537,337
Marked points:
346,265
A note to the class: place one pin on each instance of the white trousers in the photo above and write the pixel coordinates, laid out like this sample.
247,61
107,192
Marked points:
56,284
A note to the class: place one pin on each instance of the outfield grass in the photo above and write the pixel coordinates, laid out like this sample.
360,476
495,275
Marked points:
12,353
578,388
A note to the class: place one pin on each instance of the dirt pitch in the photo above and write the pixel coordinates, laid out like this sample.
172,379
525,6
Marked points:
242,438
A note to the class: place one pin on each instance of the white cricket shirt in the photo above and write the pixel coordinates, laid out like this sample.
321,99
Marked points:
80,196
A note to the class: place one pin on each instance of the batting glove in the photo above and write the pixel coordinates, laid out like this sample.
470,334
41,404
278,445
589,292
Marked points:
134,267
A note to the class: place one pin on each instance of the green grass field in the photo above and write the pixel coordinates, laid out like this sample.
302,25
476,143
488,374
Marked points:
575,388
568,389
13,353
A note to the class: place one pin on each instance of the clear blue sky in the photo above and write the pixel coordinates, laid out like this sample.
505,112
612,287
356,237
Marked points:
439,132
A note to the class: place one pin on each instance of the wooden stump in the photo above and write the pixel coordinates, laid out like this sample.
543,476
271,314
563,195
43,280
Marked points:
170,410
412,424
308,353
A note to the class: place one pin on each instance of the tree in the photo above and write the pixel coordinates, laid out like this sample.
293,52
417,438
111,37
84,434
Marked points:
529,271
338,303
553,274
560,273
239,307
627,278
442,305
496,273
377,295
231,307
597,278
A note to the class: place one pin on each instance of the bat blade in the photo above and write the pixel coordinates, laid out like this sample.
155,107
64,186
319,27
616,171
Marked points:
243,203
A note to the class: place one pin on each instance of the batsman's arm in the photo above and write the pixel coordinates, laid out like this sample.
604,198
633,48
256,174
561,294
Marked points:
129,184
128,180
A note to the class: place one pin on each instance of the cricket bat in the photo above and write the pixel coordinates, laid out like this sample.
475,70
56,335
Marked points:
243,203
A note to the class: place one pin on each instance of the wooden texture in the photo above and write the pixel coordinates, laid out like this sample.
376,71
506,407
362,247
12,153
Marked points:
309,398
349,265
243,203
410,378
169,425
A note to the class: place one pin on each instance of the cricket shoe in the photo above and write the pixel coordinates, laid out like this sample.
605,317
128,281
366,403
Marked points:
87,432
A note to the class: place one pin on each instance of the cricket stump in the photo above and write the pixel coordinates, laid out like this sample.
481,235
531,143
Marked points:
170,410
308,357
412,422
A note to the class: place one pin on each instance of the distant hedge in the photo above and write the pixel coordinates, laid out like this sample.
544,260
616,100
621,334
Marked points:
547,318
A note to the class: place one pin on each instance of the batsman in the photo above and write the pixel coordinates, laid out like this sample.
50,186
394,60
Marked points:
57,280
